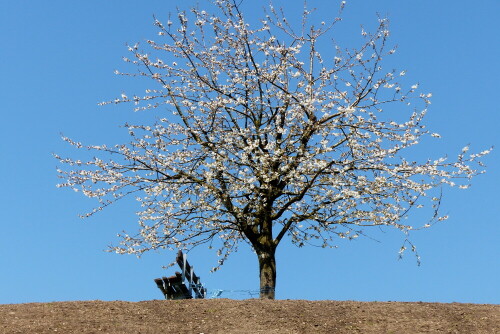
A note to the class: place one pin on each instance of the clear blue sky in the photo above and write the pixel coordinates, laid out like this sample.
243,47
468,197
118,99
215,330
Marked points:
56,62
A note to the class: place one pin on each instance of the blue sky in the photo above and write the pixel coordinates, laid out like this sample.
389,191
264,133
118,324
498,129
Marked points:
57,62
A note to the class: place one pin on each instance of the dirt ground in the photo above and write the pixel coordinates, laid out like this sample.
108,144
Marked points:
248,316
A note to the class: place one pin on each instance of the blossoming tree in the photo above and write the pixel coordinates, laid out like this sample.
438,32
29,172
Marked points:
262,139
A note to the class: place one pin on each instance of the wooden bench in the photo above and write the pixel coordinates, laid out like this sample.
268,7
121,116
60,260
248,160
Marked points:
174,287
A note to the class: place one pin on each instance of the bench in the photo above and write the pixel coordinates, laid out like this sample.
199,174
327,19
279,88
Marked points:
175,287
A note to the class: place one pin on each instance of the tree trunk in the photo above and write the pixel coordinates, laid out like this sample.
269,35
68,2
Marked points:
267,272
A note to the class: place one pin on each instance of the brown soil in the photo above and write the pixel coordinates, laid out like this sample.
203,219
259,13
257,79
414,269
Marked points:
248,316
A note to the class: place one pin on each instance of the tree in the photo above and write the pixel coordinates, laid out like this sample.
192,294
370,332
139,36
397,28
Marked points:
262,139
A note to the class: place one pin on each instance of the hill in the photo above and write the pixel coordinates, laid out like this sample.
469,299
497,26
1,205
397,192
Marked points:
248,316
